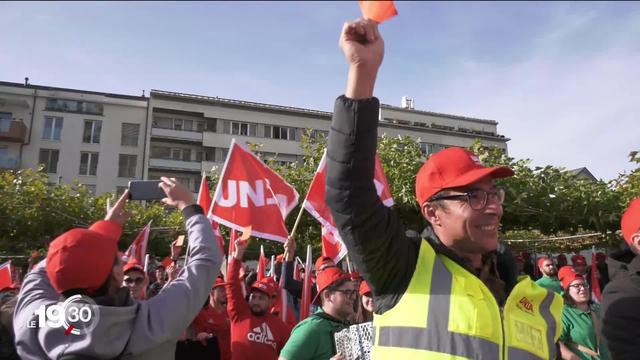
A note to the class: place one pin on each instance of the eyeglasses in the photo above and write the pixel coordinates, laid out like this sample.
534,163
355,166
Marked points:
131,281
578,286
477,198
347,293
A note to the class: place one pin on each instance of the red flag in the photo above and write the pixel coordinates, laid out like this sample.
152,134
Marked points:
166,262
331,246
305,302
5,275
596,294
232,247
379,11
249,193
138,248
262,265
204,200
315,204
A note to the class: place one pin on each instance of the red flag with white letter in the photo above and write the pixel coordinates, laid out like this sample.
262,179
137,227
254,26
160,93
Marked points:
249,193
315,204
138,248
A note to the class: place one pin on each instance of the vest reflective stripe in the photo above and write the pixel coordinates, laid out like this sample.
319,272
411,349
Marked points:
435,336
545,312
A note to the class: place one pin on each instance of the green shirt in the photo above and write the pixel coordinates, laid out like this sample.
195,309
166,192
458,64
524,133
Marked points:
550,283
577,327
312,338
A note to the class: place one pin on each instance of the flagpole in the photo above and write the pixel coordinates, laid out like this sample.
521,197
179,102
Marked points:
295,225
348,264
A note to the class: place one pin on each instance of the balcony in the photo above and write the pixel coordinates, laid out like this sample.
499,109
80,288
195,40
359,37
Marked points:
170,164
13,131
8,163
193,136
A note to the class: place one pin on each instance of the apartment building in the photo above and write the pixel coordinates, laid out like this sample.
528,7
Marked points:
104,140
96,138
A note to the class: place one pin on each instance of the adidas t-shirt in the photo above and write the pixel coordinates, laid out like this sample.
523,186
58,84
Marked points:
252,337
312,339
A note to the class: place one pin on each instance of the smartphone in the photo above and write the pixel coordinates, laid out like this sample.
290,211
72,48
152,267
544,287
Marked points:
145,190
180,240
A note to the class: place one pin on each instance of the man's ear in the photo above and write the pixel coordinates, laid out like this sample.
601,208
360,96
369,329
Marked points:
635,240
431,213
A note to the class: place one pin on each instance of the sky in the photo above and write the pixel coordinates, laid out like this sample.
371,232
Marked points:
561,78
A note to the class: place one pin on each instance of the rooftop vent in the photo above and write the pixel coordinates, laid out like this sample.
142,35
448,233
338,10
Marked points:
407,102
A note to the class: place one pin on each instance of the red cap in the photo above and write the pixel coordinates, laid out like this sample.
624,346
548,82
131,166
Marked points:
630,222
570,277
267,285
564,271
323,261
450,168
364,288
133,265
355,276
541,260
83,258
578,260
10,287
219,282
327,277
280,258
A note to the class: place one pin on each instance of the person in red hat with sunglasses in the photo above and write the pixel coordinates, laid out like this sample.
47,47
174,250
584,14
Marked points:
621,296
255,332
440,295
312,338
135,279
85,262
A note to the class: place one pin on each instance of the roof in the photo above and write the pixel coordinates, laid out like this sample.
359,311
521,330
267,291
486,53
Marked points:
583,172
53,88
219,100
457,117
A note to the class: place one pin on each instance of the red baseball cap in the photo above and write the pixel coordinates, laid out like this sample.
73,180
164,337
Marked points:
450,168
267,285
570,277
219,282
83,258
564,271
542,259
133,265
324,261
630,222
364,288
327,277
578,260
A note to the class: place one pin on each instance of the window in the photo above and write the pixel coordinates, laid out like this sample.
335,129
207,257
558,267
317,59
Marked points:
130,134
5,121
52,128
92,130
240,128
127,165
88,163
319,133
282,132
49,158
74,106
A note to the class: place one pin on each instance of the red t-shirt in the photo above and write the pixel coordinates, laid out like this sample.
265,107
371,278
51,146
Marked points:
209,320
252,337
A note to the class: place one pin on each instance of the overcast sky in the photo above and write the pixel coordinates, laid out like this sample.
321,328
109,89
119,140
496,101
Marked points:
562,79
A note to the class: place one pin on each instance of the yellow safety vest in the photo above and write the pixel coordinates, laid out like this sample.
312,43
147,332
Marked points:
448,313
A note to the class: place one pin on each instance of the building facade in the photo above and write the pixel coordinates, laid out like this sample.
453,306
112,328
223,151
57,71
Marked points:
105,140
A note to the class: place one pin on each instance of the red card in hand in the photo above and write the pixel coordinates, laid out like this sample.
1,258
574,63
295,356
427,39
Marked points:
379,11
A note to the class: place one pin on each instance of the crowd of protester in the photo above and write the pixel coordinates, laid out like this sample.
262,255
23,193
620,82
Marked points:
422,292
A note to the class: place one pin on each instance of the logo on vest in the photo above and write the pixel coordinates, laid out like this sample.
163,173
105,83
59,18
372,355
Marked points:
262,335
525,304
528,335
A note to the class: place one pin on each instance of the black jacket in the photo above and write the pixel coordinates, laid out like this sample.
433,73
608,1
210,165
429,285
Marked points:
377,241
620,306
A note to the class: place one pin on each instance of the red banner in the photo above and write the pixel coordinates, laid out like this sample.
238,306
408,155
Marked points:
138,248
204,200
596,294
249,193
315,204
262,265
379,11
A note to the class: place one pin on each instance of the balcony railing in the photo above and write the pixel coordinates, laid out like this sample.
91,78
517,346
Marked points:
177,134
13,131
175,164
